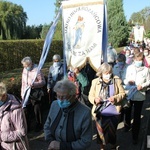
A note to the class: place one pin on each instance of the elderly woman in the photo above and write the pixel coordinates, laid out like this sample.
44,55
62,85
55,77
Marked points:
68,125
56,73
28,75
138,77
13,126
107,89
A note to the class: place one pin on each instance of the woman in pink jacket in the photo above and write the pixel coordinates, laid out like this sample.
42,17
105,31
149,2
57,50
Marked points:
13,129
28,75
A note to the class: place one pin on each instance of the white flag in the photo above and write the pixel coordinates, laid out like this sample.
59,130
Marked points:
83,22
138,33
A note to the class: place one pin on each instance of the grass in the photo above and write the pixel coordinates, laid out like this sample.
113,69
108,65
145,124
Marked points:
119,49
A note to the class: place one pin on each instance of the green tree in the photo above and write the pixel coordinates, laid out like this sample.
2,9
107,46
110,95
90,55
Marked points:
44,31
142,18
12,20
32,32
117,24
148,34
58,32
57,5
137,18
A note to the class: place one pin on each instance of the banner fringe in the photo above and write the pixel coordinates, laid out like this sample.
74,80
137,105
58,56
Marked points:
82,4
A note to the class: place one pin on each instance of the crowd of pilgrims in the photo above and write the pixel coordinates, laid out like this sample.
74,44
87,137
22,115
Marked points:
106,96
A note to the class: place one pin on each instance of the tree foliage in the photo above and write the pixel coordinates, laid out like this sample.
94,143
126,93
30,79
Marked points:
32,32
58,32
12,20
44,31
148,34
117,24
142,18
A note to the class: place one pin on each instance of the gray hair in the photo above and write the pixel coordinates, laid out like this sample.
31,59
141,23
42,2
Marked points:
3,89
65,85
26,60
56,56
105,67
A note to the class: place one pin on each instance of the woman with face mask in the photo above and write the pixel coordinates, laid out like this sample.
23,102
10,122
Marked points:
56,73
129,57
28,75
13,127
107,88
146,58
137,76
120,68
68,125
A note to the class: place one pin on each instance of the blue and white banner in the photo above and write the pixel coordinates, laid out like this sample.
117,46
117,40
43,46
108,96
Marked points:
84,32
46,48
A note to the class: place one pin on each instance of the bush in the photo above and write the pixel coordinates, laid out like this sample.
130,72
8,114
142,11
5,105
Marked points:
13,51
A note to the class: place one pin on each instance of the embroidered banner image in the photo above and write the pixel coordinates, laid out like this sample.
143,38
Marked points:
82,31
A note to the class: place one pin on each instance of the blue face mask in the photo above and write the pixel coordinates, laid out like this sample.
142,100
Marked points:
120,63
109,47
1,103
138,63
63,103
28,68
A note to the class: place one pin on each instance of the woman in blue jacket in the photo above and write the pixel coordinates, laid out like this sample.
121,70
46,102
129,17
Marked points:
69,124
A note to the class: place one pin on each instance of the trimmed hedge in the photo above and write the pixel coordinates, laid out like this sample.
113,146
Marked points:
13,51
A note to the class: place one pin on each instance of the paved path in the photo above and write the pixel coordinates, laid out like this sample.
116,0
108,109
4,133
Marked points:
124,140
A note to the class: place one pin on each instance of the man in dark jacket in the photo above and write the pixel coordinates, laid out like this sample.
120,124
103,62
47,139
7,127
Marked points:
56,73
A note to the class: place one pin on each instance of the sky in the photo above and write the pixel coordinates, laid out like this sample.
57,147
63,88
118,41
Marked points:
43,11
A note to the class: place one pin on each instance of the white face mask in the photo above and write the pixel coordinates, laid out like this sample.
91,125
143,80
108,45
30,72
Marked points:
138,63
56,64
145,54
127,54
106,76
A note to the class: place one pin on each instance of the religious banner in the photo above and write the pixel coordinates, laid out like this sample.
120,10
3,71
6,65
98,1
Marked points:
83,26
138,33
